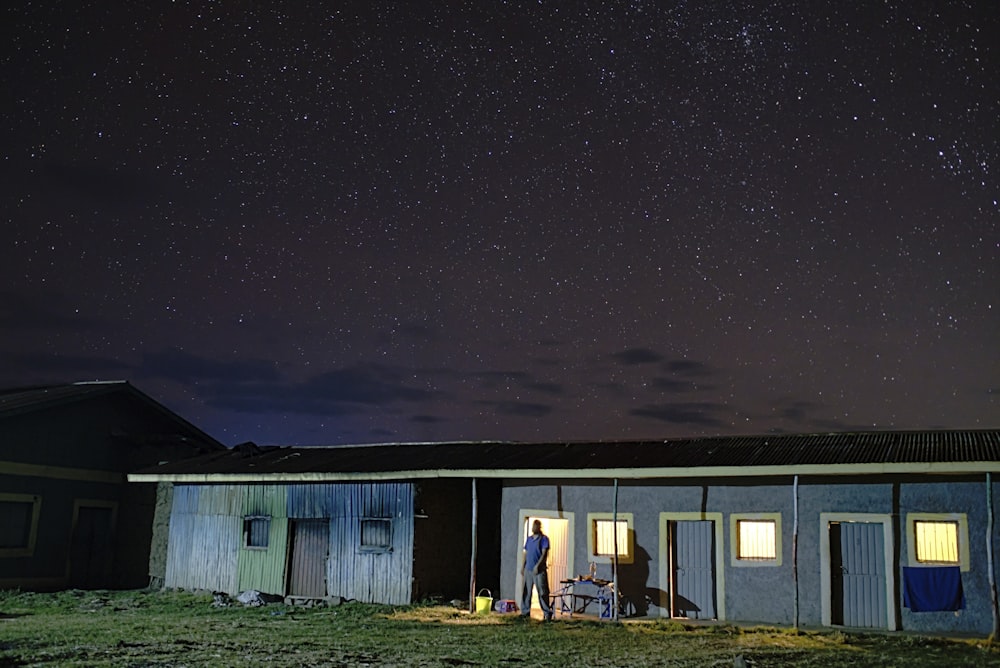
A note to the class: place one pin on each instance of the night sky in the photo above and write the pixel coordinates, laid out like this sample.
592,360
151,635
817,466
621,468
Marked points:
334,222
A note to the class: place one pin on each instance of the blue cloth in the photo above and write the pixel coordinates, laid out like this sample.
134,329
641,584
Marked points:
533,548
933,588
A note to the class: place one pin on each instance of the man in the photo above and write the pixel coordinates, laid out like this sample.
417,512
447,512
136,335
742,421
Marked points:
534,570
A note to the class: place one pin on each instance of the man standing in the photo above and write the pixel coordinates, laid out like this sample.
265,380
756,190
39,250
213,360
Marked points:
534,570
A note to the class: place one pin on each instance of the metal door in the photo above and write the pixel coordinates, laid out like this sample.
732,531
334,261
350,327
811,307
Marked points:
90,551
693,557
310,548
857,573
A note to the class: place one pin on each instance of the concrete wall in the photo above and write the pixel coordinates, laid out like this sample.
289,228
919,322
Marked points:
765,594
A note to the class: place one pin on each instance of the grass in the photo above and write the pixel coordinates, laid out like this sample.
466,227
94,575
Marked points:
76,628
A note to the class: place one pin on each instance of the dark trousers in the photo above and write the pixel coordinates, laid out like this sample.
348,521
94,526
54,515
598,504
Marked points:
541,582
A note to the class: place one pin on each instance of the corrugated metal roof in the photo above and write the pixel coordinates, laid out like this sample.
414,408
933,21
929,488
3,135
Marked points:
967,450
16,401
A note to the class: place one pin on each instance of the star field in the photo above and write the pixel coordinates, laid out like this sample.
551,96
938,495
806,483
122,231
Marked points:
315,223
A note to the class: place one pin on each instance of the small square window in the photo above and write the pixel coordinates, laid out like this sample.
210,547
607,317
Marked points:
19,522
256,531
755,540
605,535
936,542
937,539
376,534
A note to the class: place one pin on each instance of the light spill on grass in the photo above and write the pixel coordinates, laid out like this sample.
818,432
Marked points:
174,629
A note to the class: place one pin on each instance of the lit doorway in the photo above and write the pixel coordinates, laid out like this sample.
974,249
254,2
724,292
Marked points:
559,529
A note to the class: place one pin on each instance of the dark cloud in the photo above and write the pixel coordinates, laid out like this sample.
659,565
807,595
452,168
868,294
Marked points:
183,367
632,356
427,419
503,379
689,368
797,411
670,385
348,391
494,379
694,413
519,408
548,388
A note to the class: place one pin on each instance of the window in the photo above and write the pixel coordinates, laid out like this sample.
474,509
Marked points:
937,539
256,530
936,542
19,519
755,539
601,539
376,534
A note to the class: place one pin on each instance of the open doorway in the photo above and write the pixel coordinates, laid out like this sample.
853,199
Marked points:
559,528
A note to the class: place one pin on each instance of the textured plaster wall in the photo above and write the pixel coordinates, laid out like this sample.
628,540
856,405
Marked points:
765,593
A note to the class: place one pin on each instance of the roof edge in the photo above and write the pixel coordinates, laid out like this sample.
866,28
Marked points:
875,468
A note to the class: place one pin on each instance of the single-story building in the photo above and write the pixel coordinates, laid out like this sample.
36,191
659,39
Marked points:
68,518
883,530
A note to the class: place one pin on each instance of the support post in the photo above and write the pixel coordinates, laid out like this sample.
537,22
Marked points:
475,543
989,558
614,572
795,549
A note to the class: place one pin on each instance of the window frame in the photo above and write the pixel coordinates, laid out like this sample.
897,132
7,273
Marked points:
28,548
962,536
592,520
734,533
375,549
247,520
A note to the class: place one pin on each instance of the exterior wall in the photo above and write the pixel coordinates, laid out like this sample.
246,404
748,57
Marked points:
206,545
754,592
75,456
442,548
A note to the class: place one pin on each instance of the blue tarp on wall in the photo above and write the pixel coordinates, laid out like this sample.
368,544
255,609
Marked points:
933,588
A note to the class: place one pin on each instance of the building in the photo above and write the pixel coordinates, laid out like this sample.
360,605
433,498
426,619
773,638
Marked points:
883,530
68,518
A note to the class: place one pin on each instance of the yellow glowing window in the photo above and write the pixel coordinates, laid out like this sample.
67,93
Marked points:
936,542
604,538
755,540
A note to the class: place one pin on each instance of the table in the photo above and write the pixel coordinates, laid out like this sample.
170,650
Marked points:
579,595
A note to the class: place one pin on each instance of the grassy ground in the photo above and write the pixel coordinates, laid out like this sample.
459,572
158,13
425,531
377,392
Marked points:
182,629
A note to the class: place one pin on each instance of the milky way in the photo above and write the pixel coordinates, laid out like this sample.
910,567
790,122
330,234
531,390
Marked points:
360,221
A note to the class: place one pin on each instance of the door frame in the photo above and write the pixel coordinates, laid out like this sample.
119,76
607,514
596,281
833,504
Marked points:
665,557
107,568
522,517
825,571
292,532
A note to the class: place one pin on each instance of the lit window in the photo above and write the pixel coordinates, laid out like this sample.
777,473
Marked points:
376,534
601,537
19,519
604,538
937,539
755,540
936,542
256,530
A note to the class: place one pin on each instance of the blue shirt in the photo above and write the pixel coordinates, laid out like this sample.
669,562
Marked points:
533,548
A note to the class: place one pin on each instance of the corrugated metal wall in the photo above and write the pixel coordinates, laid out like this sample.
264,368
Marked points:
206,538
384,577
264,570
205,535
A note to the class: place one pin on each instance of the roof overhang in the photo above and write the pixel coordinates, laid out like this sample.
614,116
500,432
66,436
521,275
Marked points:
906,468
